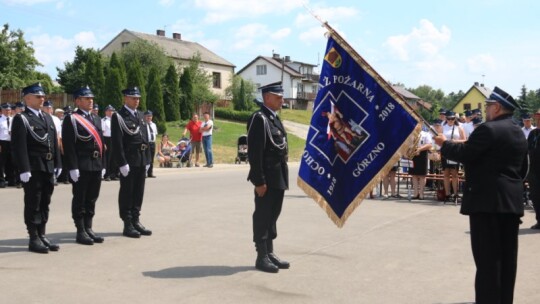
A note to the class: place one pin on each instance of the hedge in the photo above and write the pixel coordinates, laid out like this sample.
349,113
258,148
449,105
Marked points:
230,114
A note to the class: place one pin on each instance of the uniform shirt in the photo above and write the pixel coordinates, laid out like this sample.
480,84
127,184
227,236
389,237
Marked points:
152,132
5,129
57,125
106,125
206,124
468,127
425,138
527,131
447,131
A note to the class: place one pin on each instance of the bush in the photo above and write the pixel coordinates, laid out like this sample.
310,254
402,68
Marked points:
229,114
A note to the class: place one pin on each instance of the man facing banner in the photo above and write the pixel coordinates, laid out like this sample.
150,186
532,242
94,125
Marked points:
269,173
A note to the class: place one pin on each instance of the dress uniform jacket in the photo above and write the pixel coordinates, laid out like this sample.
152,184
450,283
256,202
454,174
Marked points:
80,153
267,150
33,154
130,147
495,159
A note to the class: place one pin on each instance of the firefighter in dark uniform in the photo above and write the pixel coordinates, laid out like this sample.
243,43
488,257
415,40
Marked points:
267,153
34,142
82,140
495,159
131,153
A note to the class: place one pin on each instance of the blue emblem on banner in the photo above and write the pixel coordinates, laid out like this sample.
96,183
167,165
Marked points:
358,130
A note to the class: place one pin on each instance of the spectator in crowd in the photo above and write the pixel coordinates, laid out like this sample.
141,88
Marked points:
48,108
390,180
194,128
527,124
19,108
420,165
207,128
7,170
108,164
152,134
495,159
468,125
476,122
164,150
95,109
454,133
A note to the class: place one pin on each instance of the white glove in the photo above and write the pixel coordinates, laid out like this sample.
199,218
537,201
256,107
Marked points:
103,173
58,171
147,167
74,174
25,177
124,170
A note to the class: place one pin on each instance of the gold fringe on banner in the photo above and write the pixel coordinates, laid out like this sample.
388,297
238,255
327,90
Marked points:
405,148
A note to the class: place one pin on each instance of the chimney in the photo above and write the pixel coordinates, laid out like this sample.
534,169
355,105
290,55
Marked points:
160,33
476,83
482,85
177,36
287,58
275,56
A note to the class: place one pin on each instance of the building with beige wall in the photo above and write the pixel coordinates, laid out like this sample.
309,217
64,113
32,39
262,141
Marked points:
181,51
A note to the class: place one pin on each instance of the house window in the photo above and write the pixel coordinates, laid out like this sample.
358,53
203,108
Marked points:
479,106
124,44
300,87
466,106
261,69
216,80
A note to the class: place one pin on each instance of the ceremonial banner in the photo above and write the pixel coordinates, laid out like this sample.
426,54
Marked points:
359,129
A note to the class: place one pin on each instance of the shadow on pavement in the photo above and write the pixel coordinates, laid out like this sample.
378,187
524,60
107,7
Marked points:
190,272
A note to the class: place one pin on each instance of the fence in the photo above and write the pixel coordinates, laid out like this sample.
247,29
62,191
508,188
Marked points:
59,100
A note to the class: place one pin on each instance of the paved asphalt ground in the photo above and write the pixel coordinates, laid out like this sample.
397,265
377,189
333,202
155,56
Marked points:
201,249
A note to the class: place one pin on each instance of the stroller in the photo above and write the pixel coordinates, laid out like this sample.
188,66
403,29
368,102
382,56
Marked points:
183,153
242,150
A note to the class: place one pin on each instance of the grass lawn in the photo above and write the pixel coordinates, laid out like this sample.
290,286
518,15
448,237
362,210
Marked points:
299,116
225,138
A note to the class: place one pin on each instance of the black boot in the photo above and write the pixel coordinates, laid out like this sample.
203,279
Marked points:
88,228
35,244
139,227
275,260
129,230
82,237
44,239
263,262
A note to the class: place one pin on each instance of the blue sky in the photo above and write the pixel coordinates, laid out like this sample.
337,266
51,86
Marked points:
446,44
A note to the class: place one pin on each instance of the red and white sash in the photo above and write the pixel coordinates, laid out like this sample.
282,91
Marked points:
91,129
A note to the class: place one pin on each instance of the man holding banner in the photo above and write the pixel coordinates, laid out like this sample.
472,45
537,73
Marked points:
82,140
269,173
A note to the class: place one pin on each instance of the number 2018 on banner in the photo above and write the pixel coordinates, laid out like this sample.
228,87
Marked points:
386,111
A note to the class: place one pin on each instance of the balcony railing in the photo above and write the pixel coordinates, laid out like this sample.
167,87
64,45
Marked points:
311,77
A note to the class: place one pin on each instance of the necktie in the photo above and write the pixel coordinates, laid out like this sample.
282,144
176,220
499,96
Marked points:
41,116
151,134
7,117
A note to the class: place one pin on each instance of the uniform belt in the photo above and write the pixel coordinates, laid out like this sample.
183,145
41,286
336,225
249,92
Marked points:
47,156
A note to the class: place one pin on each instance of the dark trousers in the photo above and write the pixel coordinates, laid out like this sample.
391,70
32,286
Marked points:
494,240
7,168
64,175
85,194
534,183
131,193
266,214
107,158
153,154
37,198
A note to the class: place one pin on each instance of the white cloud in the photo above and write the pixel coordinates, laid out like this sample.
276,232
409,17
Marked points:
281,33
315,33
423,42
166,3
330,14
252,30
481,63
223,10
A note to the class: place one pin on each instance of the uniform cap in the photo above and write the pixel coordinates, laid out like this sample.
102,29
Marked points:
48,104
132,92
148,113
6,106
274,88
83,92
449,114
34,89
505,99
109,107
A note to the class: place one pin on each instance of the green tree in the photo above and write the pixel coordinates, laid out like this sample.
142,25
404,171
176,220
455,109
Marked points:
149,55
171,94
186,97
112,93
115,62
86,69
155,100
201,82
17,61
135,78
95,77
241,100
